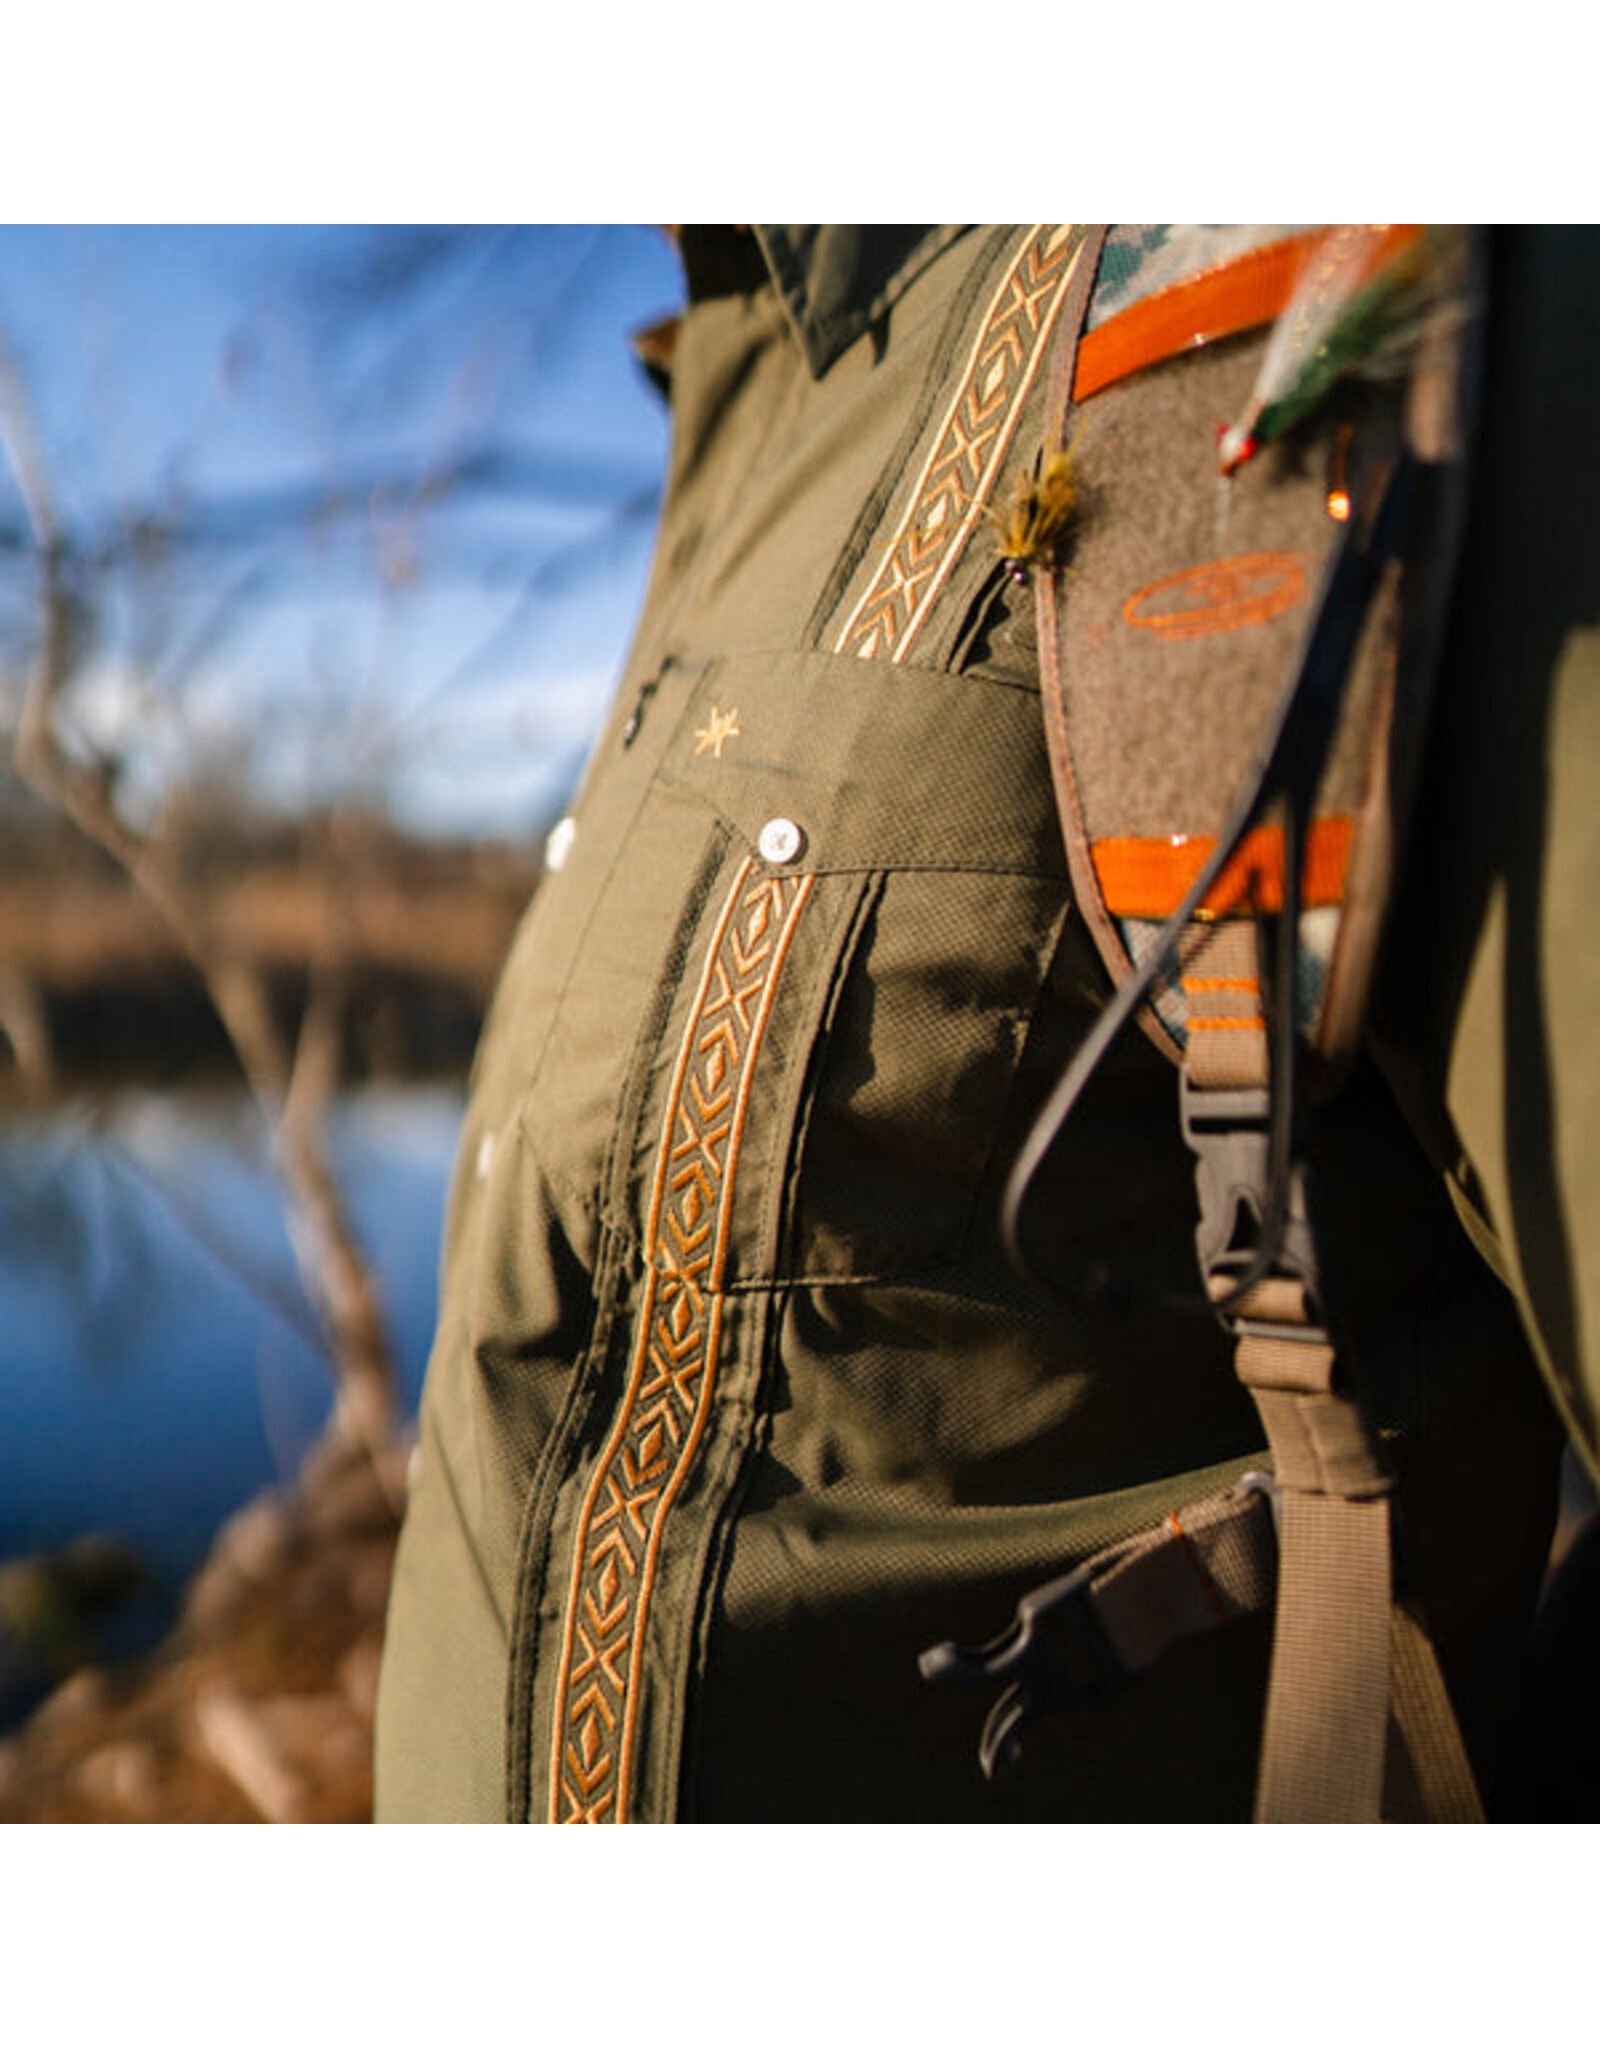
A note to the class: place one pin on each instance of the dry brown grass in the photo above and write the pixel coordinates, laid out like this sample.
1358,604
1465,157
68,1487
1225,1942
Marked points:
260,1705
450,924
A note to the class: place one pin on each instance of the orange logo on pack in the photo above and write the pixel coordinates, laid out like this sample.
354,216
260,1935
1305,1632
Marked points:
1218,597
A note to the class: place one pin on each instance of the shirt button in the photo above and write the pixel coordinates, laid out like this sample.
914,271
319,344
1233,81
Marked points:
559,844
781,841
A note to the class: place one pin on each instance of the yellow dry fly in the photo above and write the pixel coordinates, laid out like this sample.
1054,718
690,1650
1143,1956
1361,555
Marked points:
1030,528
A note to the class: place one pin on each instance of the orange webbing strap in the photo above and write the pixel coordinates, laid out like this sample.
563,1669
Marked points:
1347,1661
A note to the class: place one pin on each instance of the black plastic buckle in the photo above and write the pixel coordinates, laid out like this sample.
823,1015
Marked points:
1055,1654
1239,1240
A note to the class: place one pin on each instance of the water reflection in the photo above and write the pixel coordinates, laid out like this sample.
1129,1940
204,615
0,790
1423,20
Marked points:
158,1362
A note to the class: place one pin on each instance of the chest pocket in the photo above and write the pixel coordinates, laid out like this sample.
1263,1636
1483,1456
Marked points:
917,909
914,805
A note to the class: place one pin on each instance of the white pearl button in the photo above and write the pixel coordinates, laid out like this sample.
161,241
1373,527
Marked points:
781,841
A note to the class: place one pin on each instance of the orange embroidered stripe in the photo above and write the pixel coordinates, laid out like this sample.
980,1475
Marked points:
666,1406
1229,298
968,447
1151,877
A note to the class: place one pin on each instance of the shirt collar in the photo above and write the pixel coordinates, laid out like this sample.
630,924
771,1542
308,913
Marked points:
834,282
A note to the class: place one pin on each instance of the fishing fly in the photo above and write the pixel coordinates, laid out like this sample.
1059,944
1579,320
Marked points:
1366,300
1030,528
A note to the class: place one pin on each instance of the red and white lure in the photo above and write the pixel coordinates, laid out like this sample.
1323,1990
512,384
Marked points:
1365,297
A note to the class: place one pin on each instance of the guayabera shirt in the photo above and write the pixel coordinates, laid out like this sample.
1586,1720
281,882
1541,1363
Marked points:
736,1403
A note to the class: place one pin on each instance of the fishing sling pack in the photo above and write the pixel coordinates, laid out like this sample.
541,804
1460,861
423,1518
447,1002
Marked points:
1238,635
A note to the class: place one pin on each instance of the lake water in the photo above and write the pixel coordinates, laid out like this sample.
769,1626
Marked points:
159,1363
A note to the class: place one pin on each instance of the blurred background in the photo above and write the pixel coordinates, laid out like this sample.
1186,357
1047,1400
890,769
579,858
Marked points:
319,549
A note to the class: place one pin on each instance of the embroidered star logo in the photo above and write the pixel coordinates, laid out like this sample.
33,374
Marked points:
723,726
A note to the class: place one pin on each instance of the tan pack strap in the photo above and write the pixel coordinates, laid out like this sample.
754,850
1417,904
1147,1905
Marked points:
1347,1657
1324,1739
1211,1563
1436,1782
1374,1690
1322,1747
1220,975
1374,1736
1320,1443
1347,1662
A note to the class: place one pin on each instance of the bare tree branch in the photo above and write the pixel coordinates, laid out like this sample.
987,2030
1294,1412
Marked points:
292,1096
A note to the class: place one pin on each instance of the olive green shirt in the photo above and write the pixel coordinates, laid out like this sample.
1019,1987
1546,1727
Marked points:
736,1403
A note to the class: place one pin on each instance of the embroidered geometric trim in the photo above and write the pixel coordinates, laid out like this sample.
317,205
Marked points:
672,1372
968,448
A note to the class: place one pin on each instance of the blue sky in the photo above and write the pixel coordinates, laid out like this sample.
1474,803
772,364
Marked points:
448,654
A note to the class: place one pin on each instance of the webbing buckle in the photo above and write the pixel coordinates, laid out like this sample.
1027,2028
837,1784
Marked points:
1055,1654
1254,1222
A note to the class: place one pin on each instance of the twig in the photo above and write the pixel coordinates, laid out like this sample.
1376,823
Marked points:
333,1268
